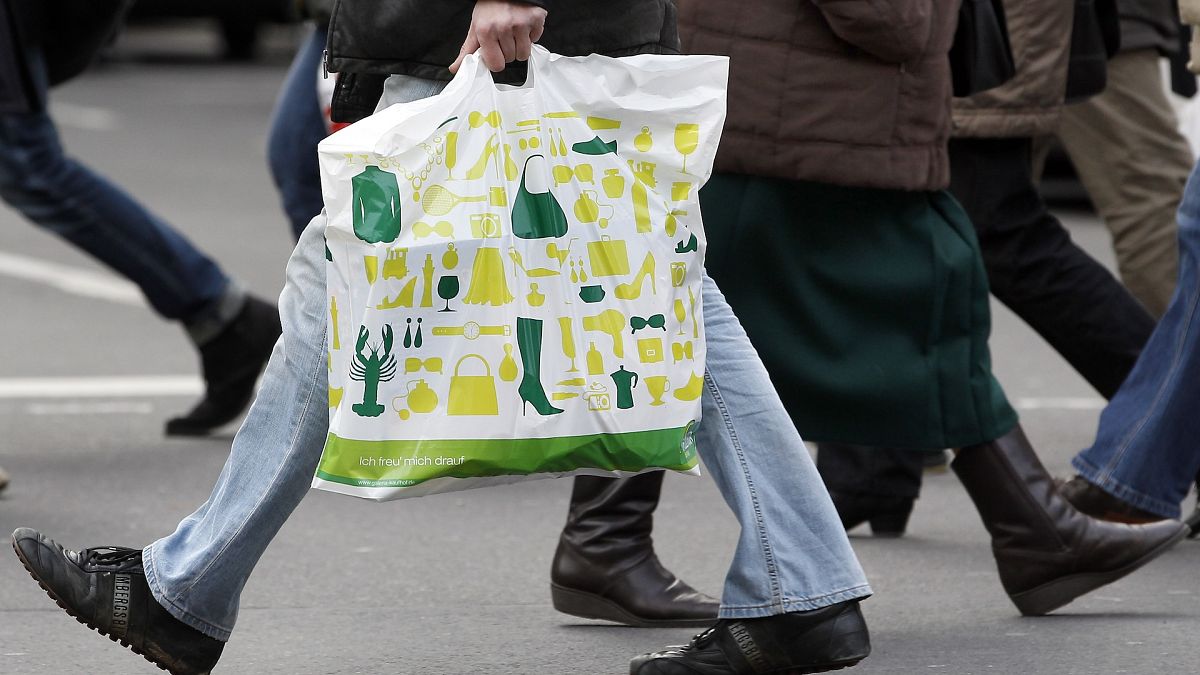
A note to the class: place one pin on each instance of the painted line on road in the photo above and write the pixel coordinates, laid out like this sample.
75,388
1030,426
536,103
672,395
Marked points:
85,283
100,387
104,407
85,117
1060,403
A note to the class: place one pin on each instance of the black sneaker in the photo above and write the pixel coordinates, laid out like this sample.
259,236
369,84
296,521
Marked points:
105,589
231,362
830,638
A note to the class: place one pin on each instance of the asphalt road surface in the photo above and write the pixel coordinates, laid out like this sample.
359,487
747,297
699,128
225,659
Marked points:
453,583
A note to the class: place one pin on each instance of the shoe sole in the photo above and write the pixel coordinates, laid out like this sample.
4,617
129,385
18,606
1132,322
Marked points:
89,624
591,606
829,667
1052,595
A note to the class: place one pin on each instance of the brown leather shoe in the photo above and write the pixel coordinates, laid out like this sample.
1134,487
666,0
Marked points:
605,566
1097,503
1047,552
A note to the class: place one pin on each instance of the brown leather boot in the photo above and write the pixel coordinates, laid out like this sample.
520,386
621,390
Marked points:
1047,552
605,566
1095,502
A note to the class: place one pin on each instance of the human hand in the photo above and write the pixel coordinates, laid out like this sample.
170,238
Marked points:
502,31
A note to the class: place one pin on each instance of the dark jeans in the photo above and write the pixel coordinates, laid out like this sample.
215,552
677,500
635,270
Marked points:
296,128
1035,269
61,195
1147,448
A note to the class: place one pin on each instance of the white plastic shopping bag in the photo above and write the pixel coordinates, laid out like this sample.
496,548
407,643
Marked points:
514,276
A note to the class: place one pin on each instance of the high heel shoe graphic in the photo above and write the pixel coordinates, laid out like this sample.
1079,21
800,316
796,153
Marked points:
633,289
403,299
535,272
692,390
529,341
688,247
489,153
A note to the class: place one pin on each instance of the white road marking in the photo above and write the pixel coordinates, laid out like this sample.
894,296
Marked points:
1060,403
100,387
91,408
85,283
86,117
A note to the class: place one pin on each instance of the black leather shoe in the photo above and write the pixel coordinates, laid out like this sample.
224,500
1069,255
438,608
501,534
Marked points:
605,567
1097,503
231,363
105,589
817,641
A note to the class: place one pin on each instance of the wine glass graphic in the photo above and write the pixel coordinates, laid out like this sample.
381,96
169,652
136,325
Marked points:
568,341
687,137
680,314
447,290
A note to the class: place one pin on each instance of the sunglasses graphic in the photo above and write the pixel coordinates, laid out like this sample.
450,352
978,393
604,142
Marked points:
443,228
656,321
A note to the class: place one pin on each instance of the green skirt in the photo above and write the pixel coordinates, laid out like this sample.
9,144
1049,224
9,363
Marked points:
868,307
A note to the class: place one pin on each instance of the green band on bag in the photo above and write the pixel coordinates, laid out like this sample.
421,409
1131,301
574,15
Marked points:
404,463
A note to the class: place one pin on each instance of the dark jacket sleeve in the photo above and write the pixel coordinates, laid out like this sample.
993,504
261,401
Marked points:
17,91
892,30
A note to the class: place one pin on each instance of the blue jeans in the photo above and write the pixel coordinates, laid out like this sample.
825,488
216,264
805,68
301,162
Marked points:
1147,449
57,193
297,126
792,554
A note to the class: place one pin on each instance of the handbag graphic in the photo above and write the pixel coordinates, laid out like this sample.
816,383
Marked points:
472,394
610,258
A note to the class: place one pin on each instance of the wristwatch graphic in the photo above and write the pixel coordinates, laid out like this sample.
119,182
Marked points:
472,330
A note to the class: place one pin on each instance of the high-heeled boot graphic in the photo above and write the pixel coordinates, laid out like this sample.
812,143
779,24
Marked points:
529,341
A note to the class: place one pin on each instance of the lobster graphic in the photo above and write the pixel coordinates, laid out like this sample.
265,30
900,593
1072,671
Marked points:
371,370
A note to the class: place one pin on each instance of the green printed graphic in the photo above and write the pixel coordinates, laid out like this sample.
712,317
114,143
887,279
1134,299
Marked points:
371,370
376,205
536,215
403,463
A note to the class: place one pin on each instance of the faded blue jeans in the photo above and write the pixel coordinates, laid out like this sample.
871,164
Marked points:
297,126
1147,449
792,554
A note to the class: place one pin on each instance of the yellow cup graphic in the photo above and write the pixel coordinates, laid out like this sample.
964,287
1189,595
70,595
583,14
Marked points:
371,266
657,385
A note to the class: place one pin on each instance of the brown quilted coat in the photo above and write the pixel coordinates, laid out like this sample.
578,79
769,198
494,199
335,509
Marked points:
849,92
1030,104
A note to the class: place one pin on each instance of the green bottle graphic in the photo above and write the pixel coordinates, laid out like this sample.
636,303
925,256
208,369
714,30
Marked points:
371,370
376,204
537,215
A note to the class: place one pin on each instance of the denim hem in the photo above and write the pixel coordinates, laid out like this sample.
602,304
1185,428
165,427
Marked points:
794,605
174,609
1123,492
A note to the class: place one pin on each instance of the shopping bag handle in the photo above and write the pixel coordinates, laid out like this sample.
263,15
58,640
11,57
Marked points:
474,69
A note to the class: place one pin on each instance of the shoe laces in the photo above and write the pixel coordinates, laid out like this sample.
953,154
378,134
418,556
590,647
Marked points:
110,558
702,639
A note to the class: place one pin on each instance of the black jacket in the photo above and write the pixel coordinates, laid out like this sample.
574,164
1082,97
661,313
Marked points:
371,39
1149,24
68,34
17,91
